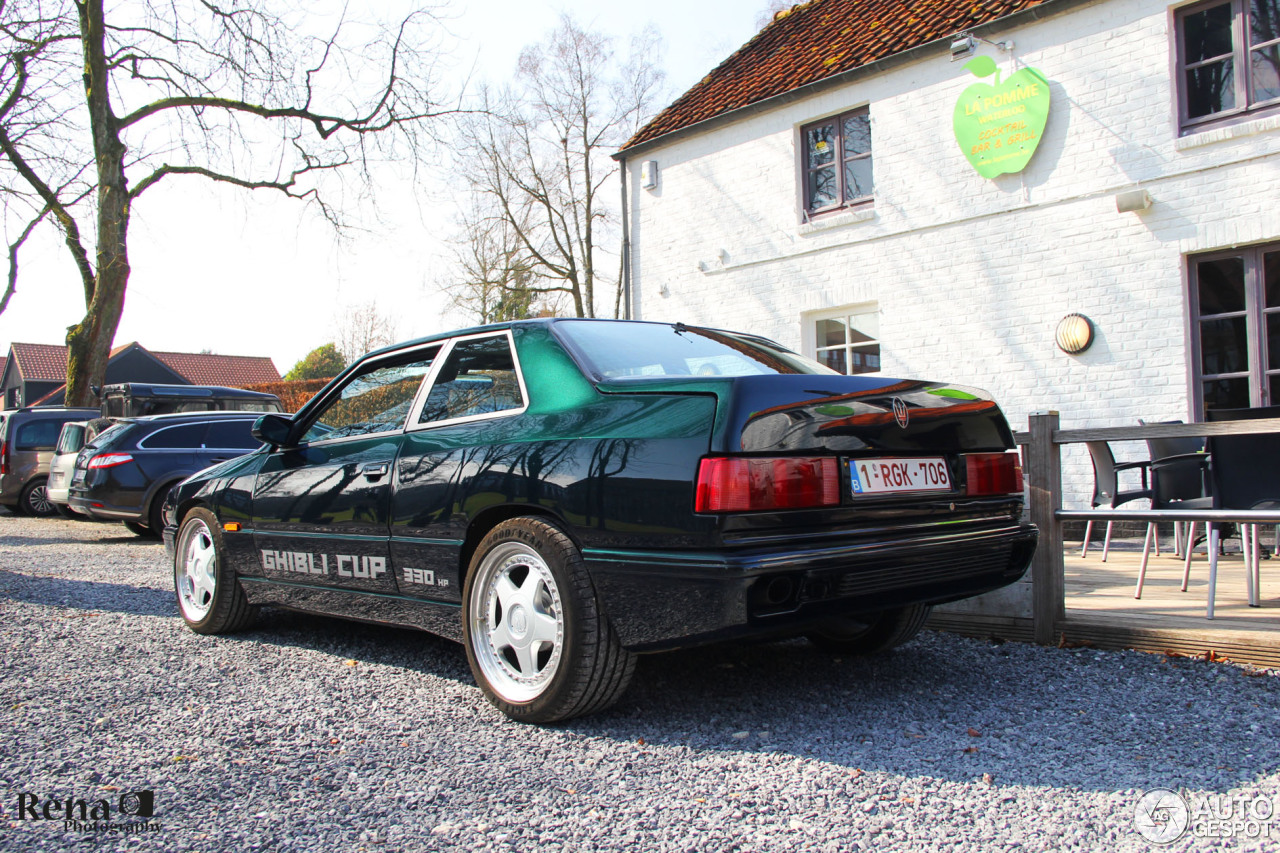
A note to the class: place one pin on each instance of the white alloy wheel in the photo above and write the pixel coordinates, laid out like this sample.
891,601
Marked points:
196,570
517,622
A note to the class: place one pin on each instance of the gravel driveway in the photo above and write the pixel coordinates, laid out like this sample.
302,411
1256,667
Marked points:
313,734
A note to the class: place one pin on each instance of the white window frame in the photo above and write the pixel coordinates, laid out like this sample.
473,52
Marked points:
809,325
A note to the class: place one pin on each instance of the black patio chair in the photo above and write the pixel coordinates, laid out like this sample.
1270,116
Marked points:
1106,488
1244,474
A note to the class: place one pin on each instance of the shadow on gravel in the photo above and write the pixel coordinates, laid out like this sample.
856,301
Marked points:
50,540
86,595
943,707
406,648
1101,721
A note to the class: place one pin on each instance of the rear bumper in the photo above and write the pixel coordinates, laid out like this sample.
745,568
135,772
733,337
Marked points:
660,600
98,509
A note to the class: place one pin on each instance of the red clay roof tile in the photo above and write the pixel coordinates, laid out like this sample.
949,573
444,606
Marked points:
40,362
816,40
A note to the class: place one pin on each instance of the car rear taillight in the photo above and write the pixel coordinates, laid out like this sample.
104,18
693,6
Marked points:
4,457
109,460
993,473
742,484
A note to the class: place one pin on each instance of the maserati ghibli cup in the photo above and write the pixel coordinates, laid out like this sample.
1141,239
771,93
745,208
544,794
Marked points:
561,495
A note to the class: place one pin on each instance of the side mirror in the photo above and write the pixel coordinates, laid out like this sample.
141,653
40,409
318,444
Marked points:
273,429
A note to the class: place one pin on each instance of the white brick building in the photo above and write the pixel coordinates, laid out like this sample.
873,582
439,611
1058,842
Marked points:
961,278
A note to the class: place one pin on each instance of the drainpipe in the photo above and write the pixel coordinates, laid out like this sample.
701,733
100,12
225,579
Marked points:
626,245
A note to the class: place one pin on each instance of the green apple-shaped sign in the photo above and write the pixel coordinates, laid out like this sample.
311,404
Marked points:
998,125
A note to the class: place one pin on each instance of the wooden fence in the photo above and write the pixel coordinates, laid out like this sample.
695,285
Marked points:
1044,618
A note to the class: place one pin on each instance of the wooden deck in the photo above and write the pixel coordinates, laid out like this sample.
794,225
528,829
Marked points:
1101,610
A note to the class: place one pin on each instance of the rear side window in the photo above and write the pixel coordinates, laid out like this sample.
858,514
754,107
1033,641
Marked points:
37,435
614,350
478,379
170,438
231,435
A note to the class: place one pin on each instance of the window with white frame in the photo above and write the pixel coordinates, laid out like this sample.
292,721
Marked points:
836,155
848,340
1228,59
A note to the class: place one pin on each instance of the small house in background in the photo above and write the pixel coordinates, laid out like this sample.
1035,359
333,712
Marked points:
1070,204
36,374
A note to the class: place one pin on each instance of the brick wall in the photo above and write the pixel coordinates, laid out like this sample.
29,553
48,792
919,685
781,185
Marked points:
972,275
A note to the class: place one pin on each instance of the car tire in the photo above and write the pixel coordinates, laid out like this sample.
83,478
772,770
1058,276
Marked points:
138,528
538,641
885,631
155,513
35,499
67,512
210,597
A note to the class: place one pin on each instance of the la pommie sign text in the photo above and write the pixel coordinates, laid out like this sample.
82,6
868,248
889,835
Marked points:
999,124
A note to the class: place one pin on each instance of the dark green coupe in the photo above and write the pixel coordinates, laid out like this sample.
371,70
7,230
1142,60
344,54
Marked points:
560,495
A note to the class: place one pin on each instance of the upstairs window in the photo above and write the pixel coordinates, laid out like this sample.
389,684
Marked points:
837,161
1228,59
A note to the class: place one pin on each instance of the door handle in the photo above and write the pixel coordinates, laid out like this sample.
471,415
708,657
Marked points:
374,470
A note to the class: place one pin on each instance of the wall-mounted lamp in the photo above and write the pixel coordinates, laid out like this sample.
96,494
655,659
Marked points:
649,174
1134,201
1074,334
723,256
962,45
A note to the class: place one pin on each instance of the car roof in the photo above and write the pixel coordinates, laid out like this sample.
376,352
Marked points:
183,417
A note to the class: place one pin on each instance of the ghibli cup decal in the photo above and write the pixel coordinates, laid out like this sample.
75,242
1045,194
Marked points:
343,565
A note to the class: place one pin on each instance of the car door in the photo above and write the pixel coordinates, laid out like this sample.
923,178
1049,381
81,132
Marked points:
321,509
459,449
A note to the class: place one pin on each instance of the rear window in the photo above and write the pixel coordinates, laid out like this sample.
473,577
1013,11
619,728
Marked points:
71,439
614,350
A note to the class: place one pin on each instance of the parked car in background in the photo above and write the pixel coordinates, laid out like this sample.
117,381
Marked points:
74,436
126,472
559,495
138,399
26,448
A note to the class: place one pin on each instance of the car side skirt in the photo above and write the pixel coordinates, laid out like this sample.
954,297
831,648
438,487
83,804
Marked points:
437,617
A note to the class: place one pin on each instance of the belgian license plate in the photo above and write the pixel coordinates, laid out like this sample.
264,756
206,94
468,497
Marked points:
880,476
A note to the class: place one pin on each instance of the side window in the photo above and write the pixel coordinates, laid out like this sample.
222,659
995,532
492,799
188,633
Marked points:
186,436
231,435
478,379
37,435
377,399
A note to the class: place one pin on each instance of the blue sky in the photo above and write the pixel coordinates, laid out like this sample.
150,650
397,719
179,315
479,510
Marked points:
244,274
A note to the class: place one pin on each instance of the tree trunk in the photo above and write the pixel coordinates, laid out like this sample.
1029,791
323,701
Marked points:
89,342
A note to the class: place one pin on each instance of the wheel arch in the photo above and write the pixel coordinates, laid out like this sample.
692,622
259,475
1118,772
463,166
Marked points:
491,517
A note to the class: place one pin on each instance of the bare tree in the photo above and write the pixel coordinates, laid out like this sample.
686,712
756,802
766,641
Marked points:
359,329
539,152
493,277
98,104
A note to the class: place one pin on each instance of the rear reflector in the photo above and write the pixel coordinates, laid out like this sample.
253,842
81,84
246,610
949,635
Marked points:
993,473
109,460
743,484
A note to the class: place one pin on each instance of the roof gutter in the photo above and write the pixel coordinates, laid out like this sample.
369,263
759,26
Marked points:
937,46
